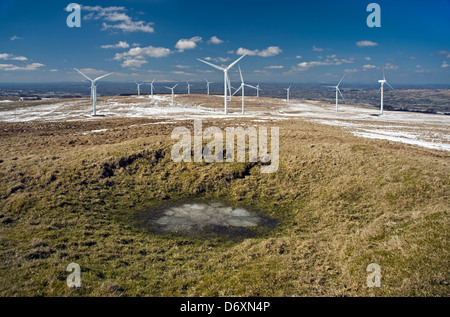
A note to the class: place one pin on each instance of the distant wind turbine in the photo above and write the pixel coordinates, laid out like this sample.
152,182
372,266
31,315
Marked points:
243,84
93,89
139,87
207,85
288,93
257,90
382,82
173,88
338,91
189,87
225,74
151,87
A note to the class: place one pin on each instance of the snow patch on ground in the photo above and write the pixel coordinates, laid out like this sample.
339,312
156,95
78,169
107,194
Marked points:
425,130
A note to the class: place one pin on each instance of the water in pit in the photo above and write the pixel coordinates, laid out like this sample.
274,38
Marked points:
205,219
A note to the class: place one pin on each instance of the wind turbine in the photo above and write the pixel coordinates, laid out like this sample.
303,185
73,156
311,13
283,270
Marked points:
93,89
288,93
257,90
243,84
139,87
225,74
338,91
207,85
151,87
172,91
382,82
189,87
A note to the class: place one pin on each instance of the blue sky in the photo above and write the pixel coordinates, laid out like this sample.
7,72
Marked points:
287,41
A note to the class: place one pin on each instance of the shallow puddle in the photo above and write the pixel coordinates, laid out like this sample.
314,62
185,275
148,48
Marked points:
200,218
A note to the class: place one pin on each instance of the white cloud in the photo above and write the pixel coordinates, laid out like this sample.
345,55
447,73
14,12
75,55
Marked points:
188,44
368,59
53,70
330,61
133,63
274,67
215,40
120,20
317,49
389,66
11,57
92,71
135,57
218,59
268,52
366,44
352,70
141,52
121,44
182,66
15,37
11,67
445,53
298,56
368,67
445,64
179,72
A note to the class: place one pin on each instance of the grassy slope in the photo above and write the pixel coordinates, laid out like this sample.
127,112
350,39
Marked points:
341,203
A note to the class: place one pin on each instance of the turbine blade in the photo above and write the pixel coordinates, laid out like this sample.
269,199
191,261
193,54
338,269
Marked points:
167,87
83,75
390,86
212,65
240,73
236,61
341,94
175,86
102,77
237,91
341,80
251,86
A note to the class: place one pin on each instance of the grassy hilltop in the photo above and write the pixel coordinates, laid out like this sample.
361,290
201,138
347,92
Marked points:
339,202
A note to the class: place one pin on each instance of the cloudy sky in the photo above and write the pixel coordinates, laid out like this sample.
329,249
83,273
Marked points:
286,41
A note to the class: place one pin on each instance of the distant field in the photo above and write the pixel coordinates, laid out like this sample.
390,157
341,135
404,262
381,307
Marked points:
429,99
353,188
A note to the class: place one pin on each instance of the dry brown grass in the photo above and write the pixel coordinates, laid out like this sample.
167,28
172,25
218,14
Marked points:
341,203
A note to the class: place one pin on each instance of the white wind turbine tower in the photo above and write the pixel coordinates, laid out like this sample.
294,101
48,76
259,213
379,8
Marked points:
172,92
151,87
288,93
139,87
243,84
225,80
207,85
338,91
189,87
257,90
93,89
382,82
